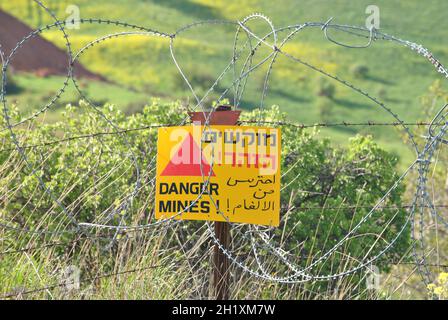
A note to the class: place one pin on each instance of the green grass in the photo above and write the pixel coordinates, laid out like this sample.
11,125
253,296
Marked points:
144,63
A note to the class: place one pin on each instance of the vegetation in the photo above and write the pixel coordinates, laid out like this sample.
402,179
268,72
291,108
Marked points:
359,71
325,89
144,63
440,288
325,107
11,85
332,177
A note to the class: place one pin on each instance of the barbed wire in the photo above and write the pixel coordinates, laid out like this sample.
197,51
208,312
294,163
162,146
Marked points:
271,123
253,43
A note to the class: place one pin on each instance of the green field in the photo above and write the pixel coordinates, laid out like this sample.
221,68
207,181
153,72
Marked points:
396,74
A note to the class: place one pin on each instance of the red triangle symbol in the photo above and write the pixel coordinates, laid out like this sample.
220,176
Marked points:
192,168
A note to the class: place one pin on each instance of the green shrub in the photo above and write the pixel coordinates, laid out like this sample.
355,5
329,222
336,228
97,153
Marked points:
11,85
318,179
359,71
439,289
382,93
198,77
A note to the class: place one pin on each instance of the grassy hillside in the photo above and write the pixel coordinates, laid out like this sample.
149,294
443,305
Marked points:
395,74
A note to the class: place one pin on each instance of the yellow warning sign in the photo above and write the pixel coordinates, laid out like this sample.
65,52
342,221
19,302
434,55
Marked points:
219,173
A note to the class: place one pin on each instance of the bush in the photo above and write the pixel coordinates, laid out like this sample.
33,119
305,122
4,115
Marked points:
318,179
325,107
359,71
325,89
199,78
440,288
11,85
